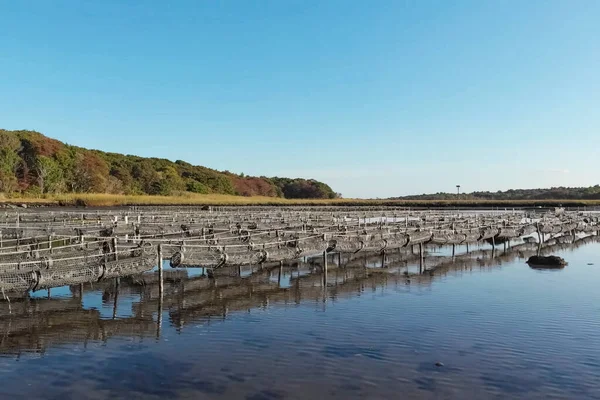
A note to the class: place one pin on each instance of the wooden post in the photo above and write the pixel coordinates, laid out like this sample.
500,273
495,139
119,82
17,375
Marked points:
160,271
117,282
280,273
114,243
421,266
324,269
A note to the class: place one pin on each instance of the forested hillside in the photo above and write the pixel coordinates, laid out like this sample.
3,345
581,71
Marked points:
33,164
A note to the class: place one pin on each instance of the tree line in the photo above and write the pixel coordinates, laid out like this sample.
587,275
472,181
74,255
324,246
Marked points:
554,193
33,164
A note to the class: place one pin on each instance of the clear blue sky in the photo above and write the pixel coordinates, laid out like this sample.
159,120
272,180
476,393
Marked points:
376,98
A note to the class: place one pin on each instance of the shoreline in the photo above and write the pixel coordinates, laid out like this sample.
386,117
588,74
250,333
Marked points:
105,200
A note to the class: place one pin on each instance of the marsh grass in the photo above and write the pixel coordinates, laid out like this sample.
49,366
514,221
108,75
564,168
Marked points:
107,200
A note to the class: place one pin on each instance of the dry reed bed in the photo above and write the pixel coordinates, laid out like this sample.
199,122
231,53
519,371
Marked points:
112,200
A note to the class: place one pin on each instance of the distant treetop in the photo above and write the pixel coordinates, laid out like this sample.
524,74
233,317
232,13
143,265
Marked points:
555,193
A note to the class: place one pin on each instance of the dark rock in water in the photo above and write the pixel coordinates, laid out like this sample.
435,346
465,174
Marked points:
80,203
548,262
439,364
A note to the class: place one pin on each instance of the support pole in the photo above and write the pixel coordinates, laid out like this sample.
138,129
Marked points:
421,258
114,243
324,269
160,271
280,273
117,282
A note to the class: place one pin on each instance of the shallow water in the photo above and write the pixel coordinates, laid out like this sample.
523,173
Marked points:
501,329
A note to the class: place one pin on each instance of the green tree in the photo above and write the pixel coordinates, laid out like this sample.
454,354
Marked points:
49,175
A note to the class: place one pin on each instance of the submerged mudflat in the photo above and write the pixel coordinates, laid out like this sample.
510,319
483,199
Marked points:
372,327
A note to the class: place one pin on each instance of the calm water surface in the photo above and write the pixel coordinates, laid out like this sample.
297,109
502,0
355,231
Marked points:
502,330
